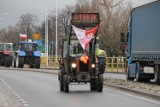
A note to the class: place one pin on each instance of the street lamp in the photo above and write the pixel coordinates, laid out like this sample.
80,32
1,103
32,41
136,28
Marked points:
56,32
46,31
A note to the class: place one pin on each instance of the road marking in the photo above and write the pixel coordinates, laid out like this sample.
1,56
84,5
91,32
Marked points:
26,105
15,94
134,96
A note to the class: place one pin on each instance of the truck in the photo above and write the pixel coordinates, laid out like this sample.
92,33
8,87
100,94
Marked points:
72,68
143,45
27,54
6,54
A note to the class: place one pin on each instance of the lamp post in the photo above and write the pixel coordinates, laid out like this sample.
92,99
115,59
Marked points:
56,32
46,31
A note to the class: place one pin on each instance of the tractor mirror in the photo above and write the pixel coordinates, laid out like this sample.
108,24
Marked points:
122,37
20,47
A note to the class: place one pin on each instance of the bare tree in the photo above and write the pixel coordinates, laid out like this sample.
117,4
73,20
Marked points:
27,24
114,18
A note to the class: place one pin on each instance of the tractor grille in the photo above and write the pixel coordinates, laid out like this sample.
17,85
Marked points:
29,53
83,67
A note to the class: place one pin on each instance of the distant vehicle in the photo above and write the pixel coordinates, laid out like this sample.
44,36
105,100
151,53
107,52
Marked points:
6,54
143,45
27,54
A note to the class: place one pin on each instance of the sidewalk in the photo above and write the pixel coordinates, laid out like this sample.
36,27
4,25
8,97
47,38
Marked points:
7,98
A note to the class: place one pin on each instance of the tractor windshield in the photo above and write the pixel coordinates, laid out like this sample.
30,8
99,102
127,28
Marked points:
76,48
9,47
28,47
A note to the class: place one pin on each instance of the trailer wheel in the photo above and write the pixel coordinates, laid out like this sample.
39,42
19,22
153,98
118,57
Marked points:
138,76
157,74
101,64
128,76
66,83
100,83
37,62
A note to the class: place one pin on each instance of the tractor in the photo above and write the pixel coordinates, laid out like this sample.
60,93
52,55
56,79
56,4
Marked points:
27,54
6,54
72,68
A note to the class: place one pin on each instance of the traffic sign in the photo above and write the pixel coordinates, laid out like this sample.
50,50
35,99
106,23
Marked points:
36,36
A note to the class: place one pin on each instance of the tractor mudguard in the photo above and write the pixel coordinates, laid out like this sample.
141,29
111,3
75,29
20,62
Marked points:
36,54
21,53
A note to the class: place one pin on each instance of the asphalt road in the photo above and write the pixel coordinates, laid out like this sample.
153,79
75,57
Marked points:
42,90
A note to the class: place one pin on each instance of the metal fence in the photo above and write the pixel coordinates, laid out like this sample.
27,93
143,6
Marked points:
113,64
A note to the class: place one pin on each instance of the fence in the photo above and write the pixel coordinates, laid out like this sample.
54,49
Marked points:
113,64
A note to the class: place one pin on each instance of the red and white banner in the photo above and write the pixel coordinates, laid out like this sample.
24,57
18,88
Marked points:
23,36
85,36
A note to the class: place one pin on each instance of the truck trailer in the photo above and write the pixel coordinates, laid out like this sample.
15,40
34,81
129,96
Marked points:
143,43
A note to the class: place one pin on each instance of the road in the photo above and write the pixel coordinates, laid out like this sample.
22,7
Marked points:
42,90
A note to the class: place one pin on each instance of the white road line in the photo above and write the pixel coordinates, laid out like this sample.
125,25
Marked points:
134,96
26,105
15,94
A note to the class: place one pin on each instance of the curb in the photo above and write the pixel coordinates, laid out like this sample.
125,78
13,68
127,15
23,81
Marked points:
33,70
115,72
142,93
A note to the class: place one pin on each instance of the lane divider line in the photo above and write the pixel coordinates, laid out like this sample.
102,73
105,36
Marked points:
24,103
127,94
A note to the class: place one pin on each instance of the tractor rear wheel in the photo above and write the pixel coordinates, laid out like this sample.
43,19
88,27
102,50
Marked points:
8,61
101,64
37,62
20,62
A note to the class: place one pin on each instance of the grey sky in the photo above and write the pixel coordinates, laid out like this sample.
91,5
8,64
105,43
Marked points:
14,9
11,10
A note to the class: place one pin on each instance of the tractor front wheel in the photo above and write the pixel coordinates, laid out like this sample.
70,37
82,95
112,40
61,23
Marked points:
66,83
100,83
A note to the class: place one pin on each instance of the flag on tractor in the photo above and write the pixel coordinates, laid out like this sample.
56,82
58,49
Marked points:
84,36
23,36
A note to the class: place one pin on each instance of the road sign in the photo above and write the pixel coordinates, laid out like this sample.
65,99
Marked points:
36,36
41,48
39,42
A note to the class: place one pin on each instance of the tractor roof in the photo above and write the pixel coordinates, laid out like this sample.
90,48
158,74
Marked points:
25,42
6,43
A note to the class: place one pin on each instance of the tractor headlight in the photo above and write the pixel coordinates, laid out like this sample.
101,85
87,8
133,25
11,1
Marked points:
93,65
73,65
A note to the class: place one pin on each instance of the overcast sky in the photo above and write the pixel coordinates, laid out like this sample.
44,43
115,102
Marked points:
11,10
